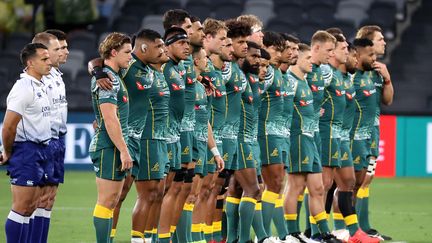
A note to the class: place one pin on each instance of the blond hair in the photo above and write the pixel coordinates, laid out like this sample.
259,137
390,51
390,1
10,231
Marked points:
322,36
113,41
368,32
212,26
251,20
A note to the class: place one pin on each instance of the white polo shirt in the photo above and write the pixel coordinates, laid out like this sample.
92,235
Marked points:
28,98
57,96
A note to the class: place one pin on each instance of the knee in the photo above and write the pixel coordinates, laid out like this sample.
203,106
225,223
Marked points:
327,183
316,190
275,183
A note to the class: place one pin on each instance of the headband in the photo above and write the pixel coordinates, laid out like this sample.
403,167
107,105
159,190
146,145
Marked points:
175,38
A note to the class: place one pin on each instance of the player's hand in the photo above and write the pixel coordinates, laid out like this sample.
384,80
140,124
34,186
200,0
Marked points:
4,157
95,125
220,163
382,69
105,83
126,161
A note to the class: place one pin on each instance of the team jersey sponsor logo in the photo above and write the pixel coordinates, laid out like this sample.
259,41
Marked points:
189,80
349,96
125,99
305,103
139,85
218,93
339,93
177,87
29,183
163,93
200,107
369,92
236,88
46,111
277,93
252,79
182,72
250,98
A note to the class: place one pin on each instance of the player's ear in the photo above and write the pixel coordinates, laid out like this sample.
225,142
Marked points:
114,52
144,47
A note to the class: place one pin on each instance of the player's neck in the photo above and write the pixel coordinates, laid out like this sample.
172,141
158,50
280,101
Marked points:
342,68
157,66
334,63
34,74
114,66
297,72
217,61
315,60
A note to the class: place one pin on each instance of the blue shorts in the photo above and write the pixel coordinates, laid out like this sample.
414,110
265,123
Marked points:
56,161
27,164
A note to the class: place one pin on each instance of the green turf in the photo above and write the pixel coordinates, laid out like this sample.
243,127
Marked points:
400,208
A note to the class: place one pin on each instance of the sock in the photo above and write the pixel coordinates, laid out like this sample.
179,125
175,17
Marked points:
164,238
246,214
364,215
232,214
348,211
291,221
217,231
46,222
307,211
30,230
37,226
154,235
208,232
313,226
257,223
102,220
13,227
182,225
112,235
147,234
359,201
279,220
338,220
299,206
25,234
268,204
329,198
137,237
173,229
189,225
196,232
321,222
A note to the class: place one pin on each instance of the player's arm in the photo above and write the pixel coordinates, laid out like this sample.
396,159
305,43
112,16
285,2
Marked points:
113,127
10,124
103,80
213,148
388,92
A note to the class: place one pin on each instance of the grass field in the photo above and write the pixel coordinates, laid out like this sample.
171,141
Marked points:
400,207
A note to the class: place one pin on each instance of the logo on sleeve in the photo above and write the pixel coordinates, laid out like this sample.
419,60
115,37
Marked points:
139,85
125,99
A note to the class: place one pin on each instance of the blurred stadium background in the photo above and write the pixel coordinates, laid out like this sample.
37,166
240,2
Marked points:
406,137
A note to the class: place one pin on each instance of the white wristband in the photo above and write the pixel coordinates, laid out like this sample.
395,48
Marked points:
215,151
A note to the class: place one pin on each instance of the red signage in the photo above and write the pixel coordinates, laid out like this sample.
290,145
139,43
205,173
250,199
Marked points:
386,166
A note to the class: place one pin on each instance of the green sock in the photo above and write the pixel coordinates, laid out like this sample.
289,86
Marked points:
182,225
352,223
102,221
299,206
307,212
232,213
321,222
174,237
279,220
257,223
292,223
338,220
217,231
364,211
246,215
359,201
154,237
112,235
189,226
268,205
196,232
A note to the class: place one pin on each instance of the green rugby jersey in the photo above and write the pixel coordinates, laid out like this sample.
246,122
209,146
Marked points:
365,102
334,101
118,96
235,85
188,121
349,113
378,80
201,113
289,92
172,72
304,113
271,118
247,132
138,81
218,101
316,84
255,85
158,98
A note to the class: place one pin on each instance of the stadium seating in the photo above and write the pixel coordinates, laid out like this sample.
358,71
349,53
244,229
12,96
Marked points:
199,8
260,8
16,41
126,24
74,63
226,9
85,41
153,22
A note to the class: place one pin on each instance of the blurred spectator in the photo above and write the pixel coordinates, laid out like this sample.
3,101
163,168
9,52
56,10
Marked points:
16,16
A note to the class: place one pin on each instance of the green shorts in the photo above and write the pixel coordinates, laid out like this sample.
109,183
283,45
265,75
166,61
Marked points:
186,141
374,141
360,153
154,157
174,155
317,139
200,157
211,166
288,145
134,151
330,151
107,164
257,156
230,153
346,155
304,155
246,156
273,149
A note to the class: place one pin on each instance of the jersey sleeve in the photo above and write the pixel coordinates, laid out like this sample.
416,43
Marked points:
227,71
109,96
268,79
327,74
19,98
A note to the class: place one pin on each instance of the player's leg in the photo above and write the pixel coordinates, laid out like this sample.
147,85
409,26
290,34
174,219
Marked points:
125,190
295,188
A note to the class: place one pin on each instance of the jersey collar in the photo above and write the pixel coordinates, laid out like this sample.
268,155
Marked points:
33,79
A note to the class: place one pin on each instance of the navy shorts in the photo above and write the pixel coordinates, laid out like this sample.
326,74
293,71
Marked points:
57,149
27,165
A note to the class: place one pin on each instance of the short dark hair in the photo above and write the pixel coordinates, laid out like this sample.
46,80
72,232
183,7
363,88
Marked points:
146,34
254,45
29,51
272,38
172,31
304,47
58,33
362,43
237,29
174,17
194,19
265,54
350,46
334,31
290,38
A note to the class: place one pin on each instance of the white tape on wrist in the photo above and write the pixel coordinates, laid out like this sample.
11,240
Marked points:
215,151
